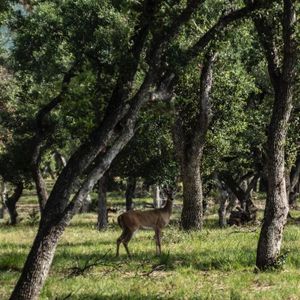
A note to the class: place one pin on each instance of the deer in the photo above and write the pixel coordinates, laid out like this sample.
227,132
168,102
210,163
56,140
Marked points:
133,220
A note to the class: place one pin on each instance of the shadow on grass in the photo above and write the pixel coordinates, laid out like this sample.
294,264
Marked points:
12,262
10,268
202,261
199,260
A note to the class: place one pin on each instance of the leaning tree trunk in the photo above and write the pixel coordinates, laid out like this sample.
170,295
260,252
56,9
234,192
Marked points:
38,263
192,210
276,210
130,190
11,203
102,201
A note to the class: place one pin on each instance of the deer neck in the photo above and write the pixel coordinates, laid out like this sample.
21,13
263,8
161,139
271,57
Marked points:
168,206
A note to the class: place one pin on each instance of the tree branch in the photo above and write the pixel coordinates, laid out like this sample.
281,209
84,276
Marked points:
169,32
103,162
290,43
221,24
42,130
117,116
204,115
266,37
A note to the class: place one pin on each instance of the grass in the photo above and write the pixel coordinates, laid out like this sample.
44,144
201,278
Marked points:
212,264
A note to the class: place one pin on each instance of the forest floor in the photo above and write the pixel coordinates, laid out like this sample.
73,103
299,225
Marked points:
212,264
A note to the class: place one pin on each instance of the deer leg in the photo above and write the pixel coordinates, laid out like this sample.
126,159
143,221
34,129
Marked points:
126,240
158,245
119,241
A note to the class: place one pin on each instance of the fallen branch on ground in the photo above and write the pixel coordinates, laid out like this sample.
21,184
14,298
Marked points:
89,264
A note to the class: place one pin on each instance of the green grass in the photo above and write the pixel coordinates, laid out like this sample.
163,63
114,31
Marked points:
212,264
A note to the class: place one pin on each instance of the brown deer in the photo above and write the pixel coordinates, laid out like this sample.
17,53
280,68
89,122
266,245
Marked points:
133,220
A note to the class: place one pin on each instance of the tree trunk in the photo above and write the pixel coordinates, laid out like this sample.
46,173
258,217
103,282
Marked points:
293,186
86,204
189,139
40,186
3,198
11,203
130,190
60,161
192,210
102,208
222,211
244,195
157,201
276,206
283,79
38,263
2,207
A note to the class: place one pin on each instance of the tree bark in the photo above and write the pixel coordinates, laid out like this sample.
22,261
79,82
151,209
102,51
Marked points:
192,210
2,208
102,207
282,78
40,186
11,202
130,190
223,202
60,161
157,201
244,195
222,211
277,208
189,139
3,191
86,204
38,263
294,180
